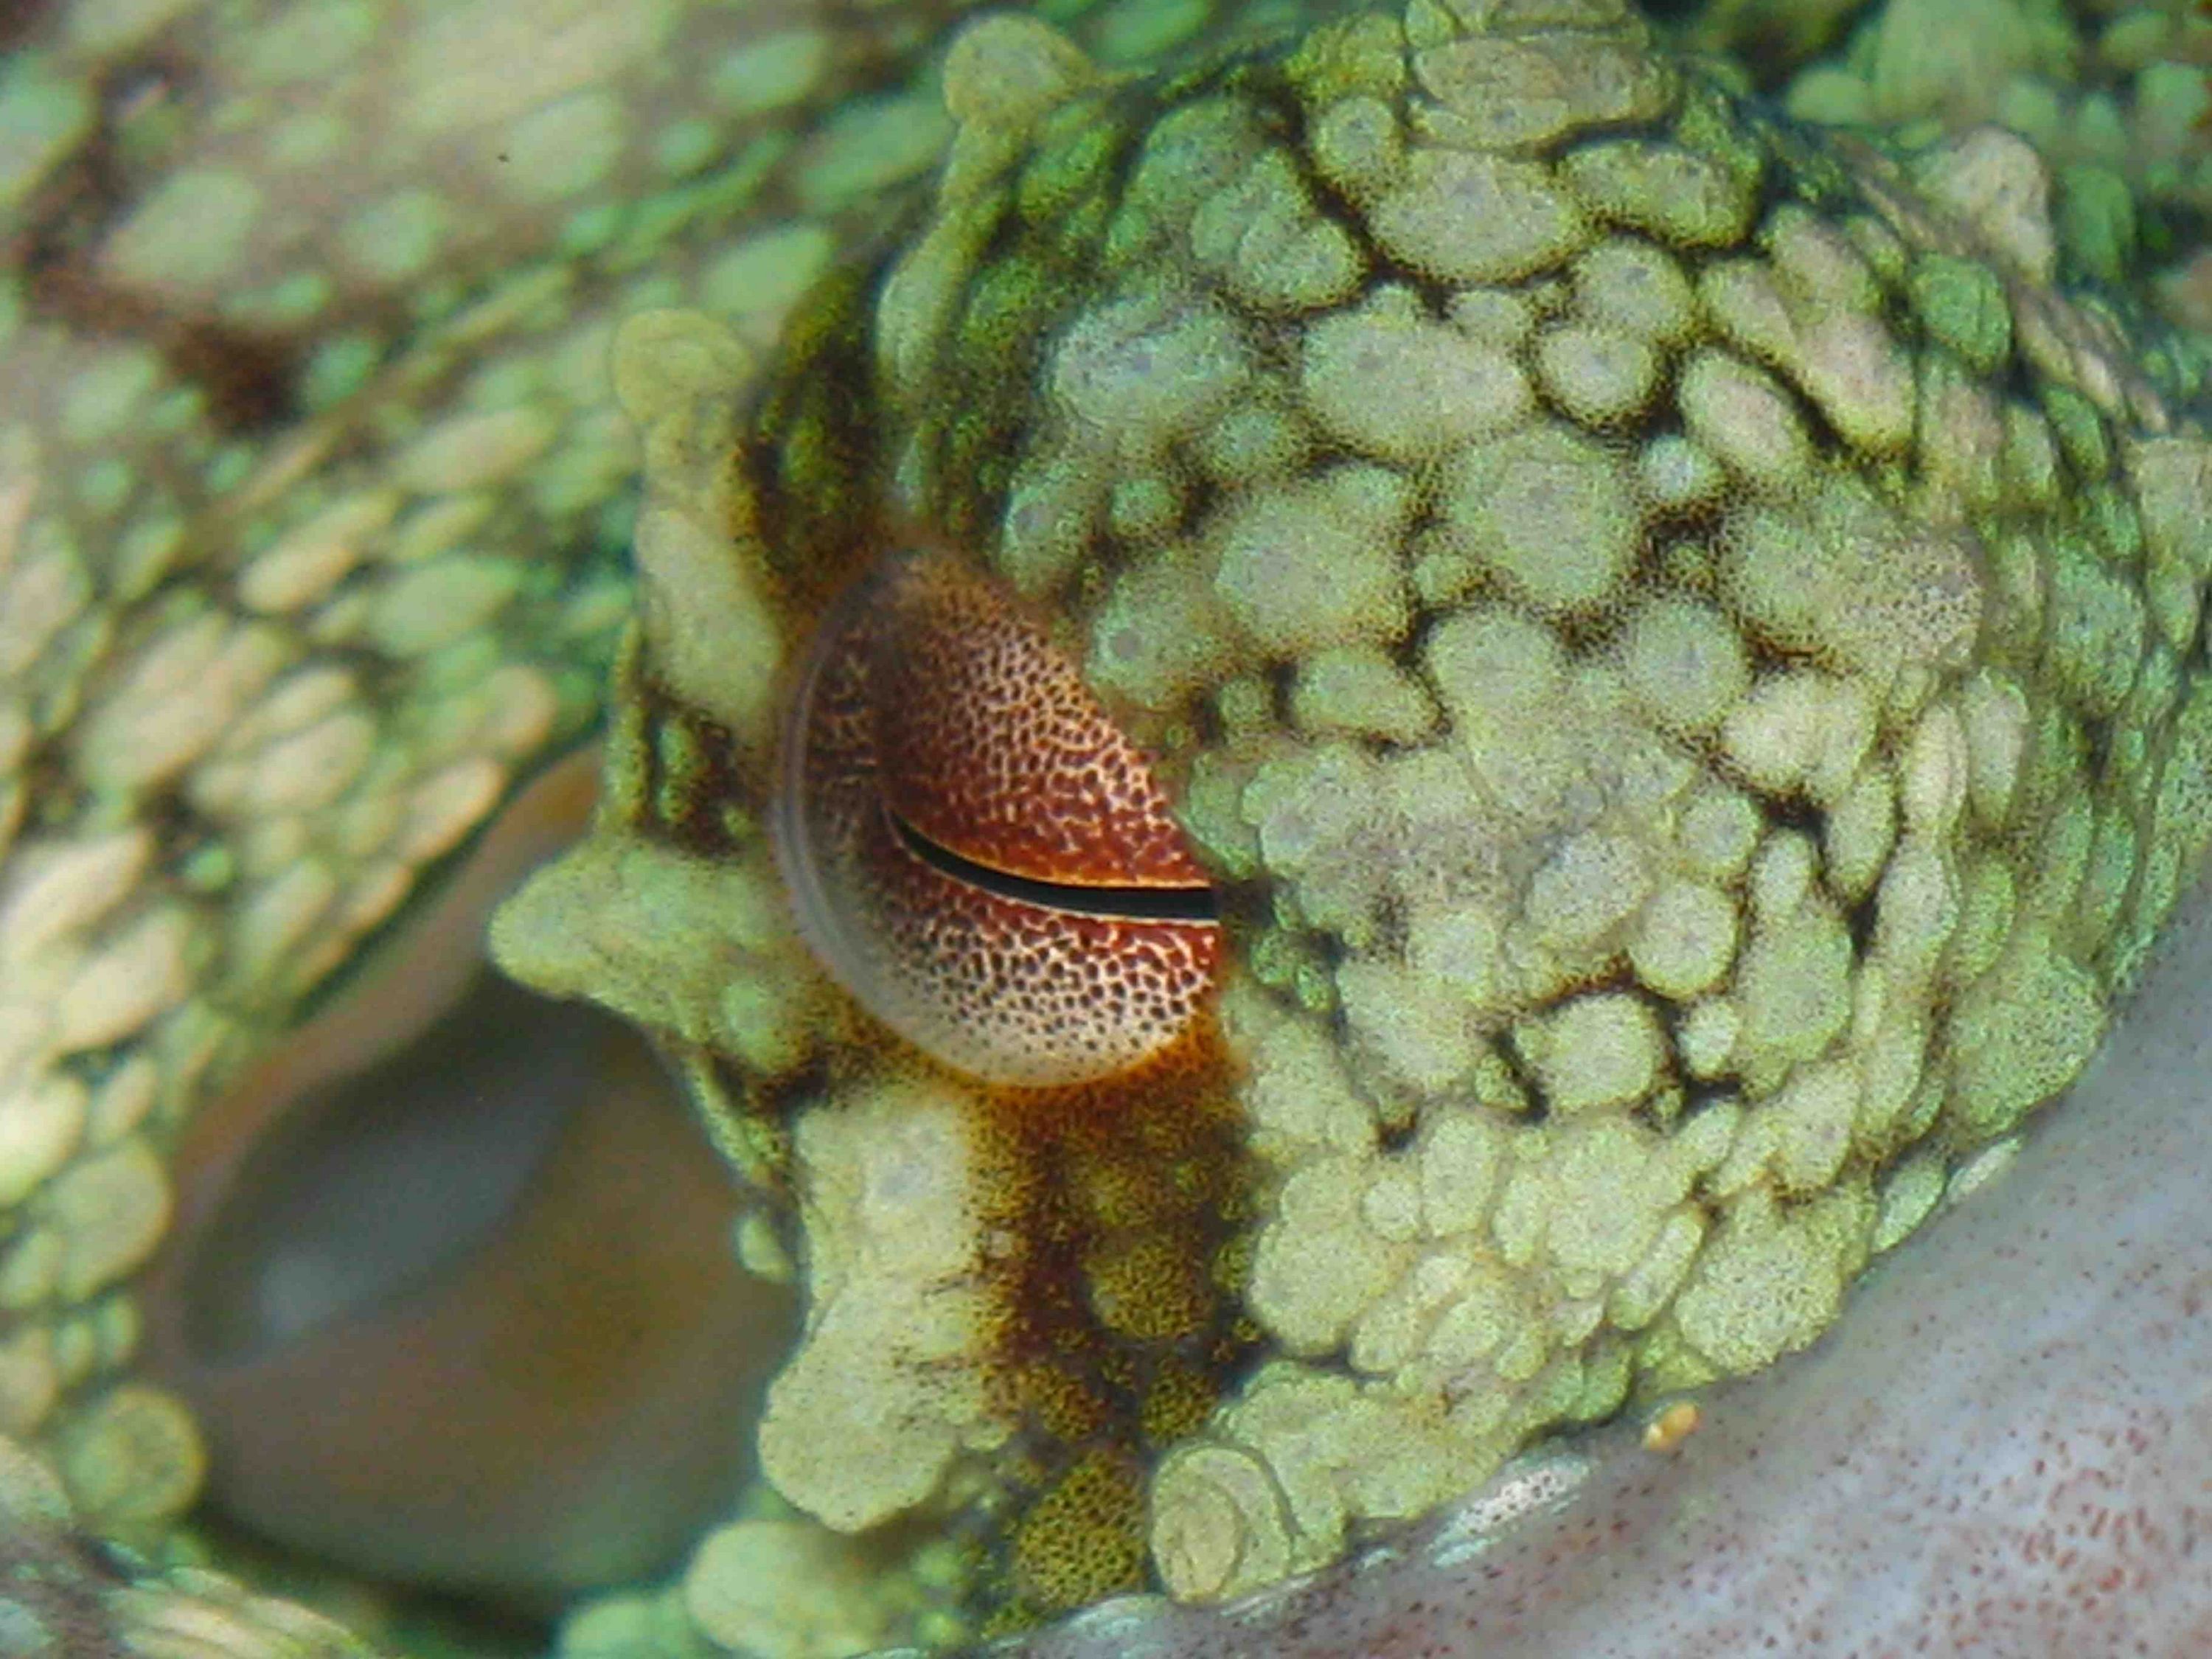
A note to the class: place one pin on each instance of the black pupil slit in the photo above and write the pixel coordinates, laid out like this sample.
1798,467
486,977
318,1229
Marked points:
1194,904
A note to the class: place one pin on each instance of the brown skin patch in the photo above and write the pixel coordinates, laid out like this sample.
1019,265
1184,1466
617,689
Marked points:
1114,1204
250,379
816,444
22,19
1118,1198
1182,1395
1084,1539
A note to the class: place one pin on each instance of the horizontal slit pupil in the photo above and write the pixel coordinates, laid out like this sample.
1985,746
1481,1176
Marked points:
1194,904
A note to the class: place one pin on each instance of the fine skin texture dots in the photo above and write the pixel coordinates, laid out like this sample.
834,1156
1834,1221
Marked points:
975,849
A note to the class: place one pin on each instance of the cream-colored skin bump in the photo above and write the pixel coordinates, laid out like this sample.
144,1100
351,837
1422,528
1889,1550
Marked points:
681,377
893,1313
266,673
1580,812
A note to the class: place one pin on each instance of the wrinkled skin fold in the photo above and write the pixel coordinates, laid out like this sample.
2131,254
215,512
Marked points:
1675,635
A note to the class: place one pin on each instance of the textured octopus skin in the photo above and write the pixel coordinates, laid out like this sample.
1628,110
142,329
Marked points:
2055,1321
2122,1182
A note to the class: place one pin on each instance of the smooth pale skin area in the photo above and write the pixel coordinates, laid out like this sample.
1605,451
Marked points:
2004,1446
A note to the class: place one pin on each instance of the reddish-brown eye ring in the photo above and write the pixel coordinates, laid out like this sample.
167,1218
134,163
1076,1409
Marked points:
973,847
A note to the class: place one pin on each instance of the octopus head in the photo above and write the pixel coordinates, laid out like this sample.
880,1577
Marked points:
1355,766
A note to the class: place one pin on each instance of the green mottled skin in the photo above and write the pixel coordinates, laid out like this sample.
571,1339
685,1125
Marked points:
257,402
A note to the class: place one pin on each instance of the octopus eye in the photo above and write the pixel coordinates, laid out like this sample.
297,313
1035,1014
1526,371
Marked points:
974,848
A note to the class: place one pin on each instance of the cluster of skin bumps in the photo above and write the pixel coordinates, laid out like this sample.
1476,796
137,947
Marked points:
1671,638
1674,641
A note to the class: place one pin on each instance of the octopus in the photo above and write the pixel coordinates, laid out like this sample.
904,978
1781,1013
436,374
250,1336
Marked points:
826,829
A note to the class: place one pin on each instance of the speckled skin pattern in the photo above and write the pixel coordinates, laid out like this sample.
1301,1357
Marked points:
2058,1509
1678,639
